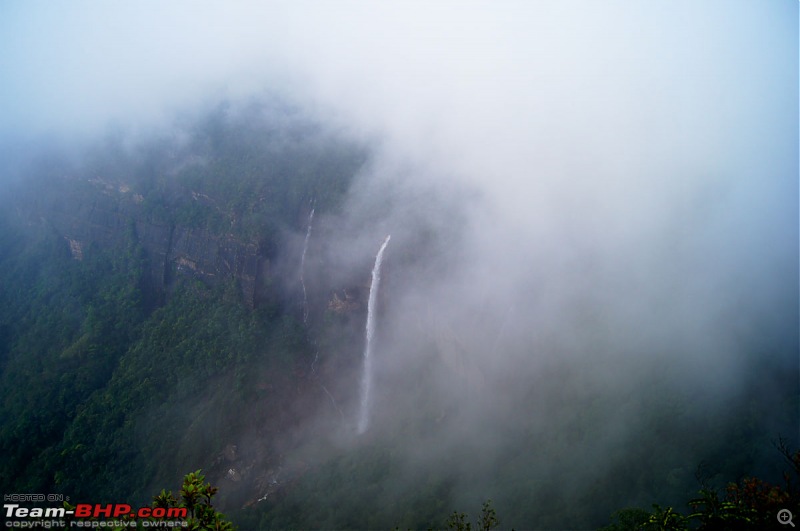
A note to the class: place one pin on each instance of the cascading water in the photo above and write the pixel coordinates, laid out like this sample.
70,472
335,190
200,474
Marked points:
366,376
303,265
305,312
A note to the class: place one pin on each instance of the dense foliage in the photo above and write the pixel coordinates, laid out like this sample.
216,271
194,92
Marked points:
749,503
196,495
65,325
109,391
105,393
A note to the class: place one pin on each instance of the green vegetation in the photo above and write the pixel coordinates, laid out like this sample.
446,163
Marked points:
749,503
66,324
240,174
106,392
487,521
109,390
195,498
195,495
93,385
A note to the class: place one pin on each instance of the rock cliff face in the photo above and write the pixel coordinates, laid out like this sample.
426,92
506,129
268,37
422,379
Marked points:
104,216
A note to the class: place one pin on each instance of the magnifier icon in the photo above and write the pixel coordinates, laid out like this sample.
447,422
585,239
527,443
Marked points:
785,517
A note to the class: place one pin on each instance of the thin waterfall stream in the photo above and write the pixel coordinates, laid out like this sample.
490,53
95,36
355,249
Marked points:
366,376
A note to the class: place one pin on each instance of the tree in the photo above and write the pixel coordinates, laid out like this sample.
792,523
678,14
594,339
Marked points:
749,503
195,495
487,521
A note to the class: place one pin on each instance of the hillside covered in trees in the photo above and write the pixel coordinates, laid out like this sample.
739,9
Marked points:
170,303
145,300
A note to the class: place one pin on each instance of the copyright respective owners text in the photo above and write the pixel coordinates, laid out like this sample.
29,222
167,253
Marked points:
56,511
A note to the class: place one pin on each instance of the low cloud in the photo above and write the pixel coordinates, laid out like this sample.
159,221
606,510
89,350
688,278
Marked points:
601,194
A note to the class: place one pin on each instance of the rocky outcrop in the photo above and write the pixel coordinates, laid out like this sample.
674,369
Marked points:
200,254
347,303
75,248
104,217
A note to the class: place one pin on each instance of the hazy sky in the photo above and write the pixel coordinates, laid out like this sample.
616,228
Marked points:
645,144
602,92
416,68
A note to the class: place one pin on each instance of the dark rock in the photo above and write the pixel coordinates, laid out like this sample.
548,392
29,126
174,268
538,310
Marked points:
108,218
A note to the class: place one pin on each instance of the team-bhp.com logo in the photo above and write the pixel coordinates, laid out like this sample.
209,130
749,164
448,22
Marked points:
94,515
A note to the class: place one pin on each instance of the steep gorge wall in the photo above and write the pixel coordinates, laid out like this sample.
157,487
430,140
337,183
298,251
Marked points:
105,217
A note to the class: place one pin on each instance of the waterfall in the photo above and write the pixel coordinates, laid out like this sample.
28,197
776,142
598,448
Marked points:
366,377
303,265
